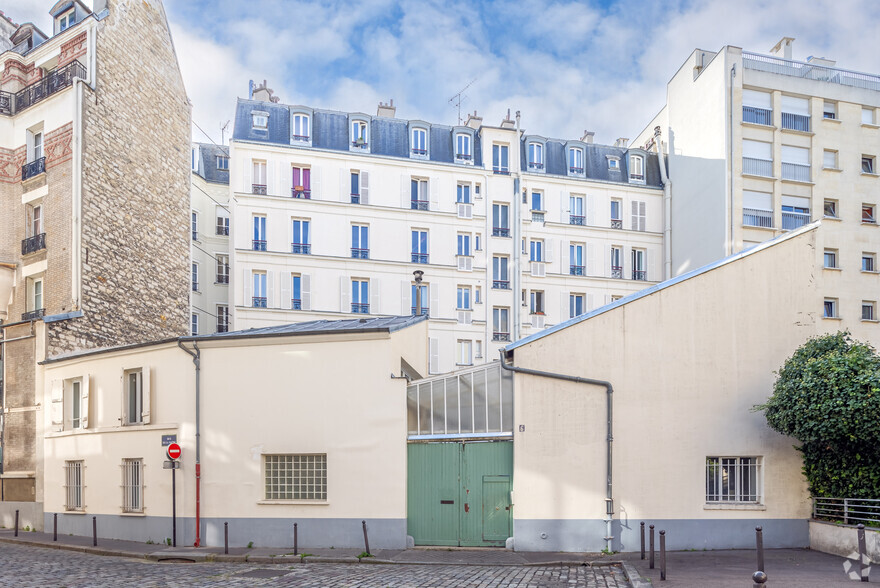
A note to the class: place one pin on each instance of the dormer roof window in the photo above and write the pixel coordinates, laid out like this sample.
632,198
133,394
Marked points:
613,162
536,156
637,169
359,133
259,120
67,13
464,145
300,127
66,20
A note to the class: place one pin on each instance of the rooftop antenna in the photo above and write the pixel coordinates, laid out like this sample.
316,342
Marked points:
223,133
459,97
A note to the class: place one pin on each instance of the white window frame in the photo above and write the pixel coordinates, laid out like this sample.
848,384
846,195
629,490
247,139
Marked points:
360,134
301,121
260,120
73,405
194,324
222,274
419,142
637,169
871,258
834,159
138,396
222,318
295,477
535,155
869,165
829,259
463,146
73,485
133,485
871,307
464,352
829,205
223,162
194,276
830,304
36,295
573,168
722,469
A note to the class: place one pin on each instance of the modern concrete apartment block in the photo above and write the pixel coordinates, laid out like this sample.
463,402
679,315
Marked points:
94,136
761,144
333,212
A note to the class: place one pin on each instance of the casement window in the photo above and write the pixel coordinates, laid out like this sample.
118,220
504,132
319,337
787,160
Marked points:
36,221
637,169
536,250
464,356
36,150
419,246
478,348
76,404
419,142
868,264
536,156
796,114
194,158
734,479
829,209
302,182
360,241
576,305
136,401
259,241
222,318
300,127
260,296
500,325
66,20
869,164
223,224
194,225
537,201
830,258
295,292
829,308
419,194
757,158
295,477
500,278
360,296
222,268
868,116
463,146
359,136
638,264
132,485
463,194
613,163
576,259
868,310
222,163
868,215
260,120
419,299
73,485
575,161
829,110
500,159
757,107
464,245
795,212
500,220
576,210
617,262
355,187
195,277
536,302
258,185
35,296
829,159
300,237
194,324
463,298
616,213
638,215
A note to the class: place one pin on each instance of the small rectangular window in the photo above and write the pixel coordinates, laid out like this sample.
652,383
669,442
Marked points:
222,269
260,298
829,110
300,127
869,164
134,397
194,327
463,298
360,241
831,258
868,310
868,116
868,214
195,277
829,159
73,485
132,485
222,318
636,168
576,305
295,477
830,308
478,294
463,146
830,208
464,352
868,262
222,162
360,296
194,225
734,479
260,121
500,159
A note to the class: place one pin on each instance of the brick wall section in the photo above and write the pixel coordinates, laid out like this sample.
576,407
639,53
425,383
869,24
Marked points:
135,198
72,50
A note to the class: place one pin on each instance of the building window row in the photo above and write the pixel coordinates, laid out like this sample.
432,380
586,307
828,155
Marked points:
831,309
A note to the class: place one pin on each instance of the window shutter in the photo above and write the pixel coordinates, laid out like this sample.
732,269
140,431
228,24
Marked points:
247,168
434,349
305,286
605,270
270,288
564,207
592,264
591,210
757,99
345,294
374,296
287,181
406,298
565,305
564,257
627,262
435,193
246,278
344,185
146,389
405,191
548,251
635,216
271,183
642,216
434,291
286,285
365,187
652,265
316,183
57,405
589,303
84,403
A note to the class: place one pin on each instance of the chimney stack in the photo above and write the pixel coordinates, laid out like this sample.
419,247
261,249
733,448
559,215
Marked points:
783,47
621,142
588,136
387,110
507,123
473,121
265,94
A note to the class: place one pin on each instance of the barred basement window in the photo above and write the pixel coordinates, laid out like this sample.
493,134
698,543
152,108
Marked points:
296,477
132,485
73,487
734,479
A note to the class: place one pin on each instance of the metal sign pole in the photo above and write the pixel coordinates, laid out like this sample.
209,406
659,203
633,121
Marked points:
174,506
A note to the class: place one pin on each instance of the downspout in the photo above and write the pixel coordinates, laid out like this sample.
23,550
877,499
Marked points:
197,360
667,204
487,282
609,498
516,255
730,160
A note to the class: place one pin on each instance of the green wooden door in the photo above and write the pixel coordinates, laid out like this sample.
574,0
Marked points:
496,509
432,493
481,461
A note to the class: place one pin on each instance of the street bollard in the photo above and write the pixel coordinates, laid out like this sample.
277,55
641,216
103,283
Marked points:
226,538
759,577
366,539
294,540
642,533
55,527
94,531
651,542
16,522
662,555
863,556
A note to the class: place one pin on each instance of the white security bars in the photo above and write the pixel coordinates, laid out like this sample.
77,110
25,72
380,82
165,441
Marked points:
132,485
73,485
734,479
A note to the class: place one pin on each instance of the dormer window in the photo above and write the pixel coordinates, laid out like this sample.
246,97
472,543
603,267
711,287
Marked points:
222,162
463,148
636,168
260,120
300,127
536,156
614,163
66,20
358,133
575,161
195,159
419,142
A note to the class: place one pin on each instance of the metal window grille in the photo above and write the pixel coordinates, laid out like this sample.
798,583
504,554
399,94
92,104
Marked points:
734,479
73,487
132,485
296,477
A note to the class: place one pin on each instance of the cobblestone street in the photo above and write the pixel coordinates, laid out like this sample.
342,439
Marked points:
26,566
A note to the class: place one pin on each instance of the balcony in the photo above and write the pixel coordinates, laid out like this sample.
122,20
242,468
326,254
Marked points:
758,167
418,204
501,337
33,169
617,272
576,270
757,116
357,253
33,315
259,189
419,257
640,275
798,69
299,192
355,198
296,303
754,217
796,122
501,284
500,232
302,248
795,172
259,302
259,245
360,308
223,231
55,81
616,223
501,171
576,219
33,244
222,279
537,217
793,220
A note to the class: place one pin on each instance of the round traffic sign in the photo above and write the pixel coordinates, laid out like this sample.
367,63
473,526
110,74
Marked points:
173,451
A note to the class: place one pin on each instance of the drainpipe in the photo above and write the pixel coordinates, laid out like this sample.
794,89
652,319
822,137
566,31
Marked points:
197,360
609,499
730,159
516,256
667,204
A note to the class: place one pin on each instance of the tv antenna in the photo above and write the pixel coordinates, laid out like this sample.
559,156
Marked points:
459,97
223,133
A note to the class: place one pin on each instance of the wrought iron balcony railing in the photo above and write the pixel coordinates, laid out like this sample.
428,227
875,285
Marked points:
55,81
617,272
260,302
33,315
501,284
296,303
640,275
33,168
259,245
576,270
303,248
222,279
259,189
357,253
616,223
500,232
360,308
298,192
419,257
419,204
33,244
501,336
575,219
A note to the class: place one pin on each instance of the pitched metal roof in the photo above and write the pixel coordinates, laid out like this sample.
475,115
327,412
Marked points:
387,324
208,169
662,286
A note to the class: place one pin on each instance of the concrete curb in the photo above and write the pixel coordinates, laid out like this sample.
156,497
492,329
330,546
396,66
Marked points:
635,579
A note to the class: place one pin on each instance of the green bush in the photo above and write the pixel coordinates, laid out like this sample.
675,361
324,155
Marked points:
827,396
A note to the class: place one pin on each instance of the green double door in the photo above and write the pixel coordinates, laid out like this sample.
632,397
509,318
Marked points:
459,493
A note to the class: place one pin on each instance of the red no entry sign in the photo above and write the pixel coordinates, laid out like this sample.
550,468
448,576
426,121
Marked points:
173,451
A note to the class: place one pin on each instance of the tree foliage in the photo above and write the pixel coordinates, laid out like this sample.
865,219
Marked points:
827,396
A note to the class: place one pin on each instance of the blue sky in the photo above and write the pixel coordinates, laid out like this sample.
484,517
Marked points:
567,66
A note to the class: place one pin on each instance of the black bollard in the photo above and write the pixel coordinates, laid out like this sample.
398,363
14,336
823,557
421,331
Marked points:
55,527
226,538
94,531
366,539
642,531
295,538
662,555
651,534
863,557
759,543
16,522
